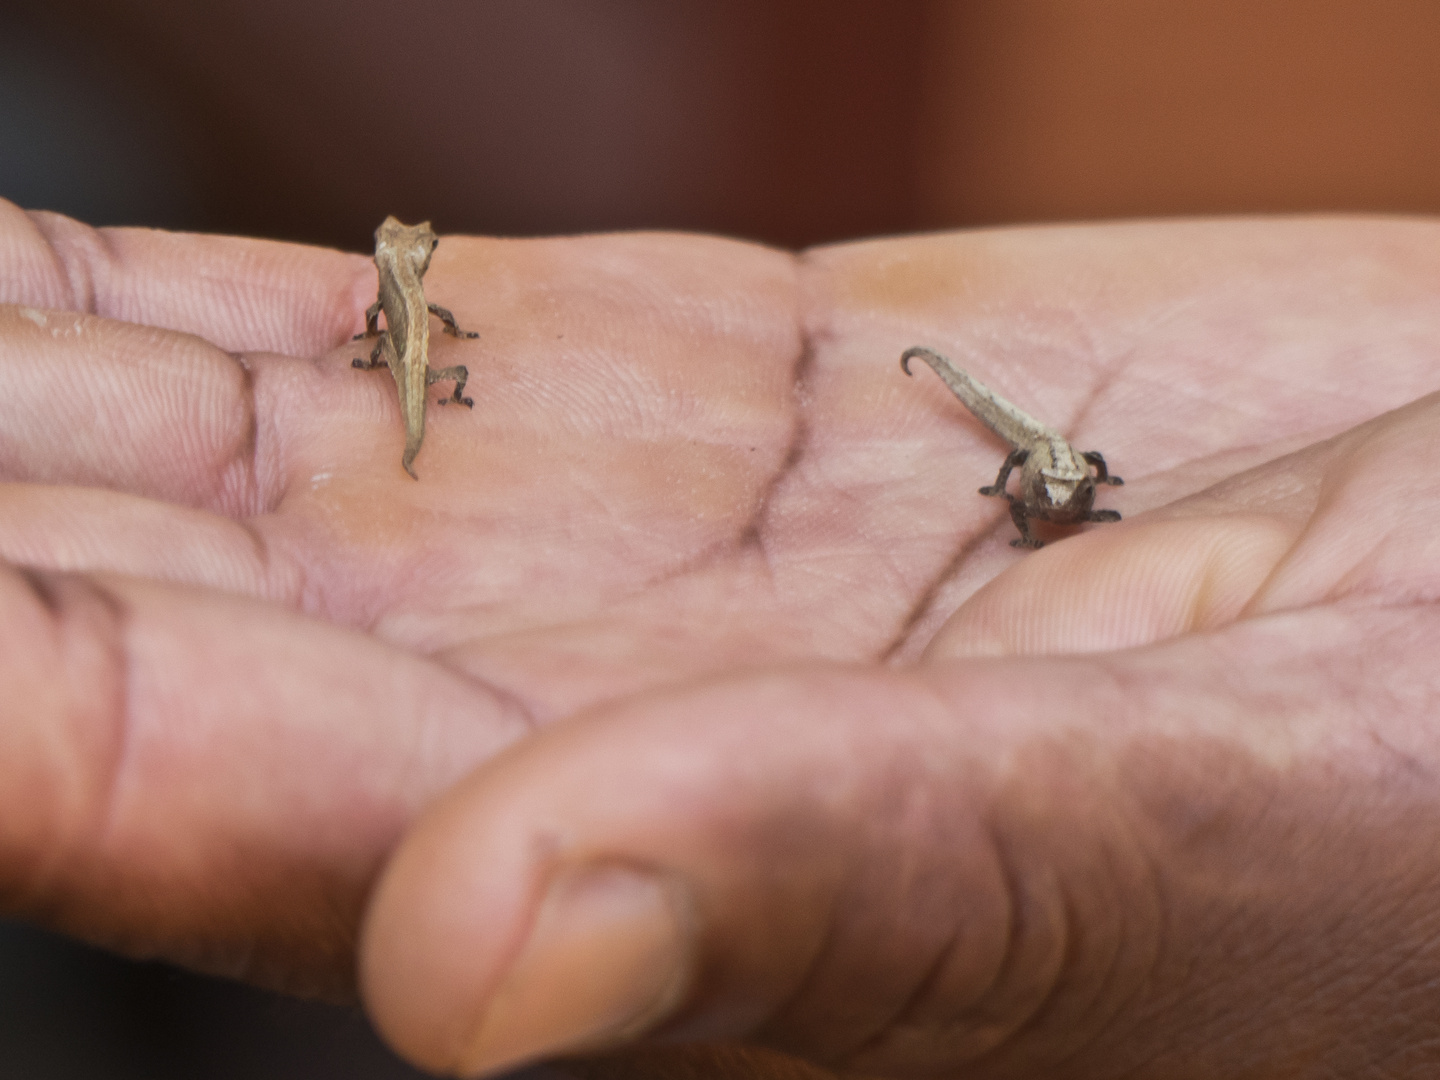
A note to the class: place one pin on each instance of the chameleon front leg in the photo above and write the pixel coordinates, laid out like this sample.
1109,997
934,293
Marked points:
443,314
1021,517
1102,473
459,373
372,322
1012,459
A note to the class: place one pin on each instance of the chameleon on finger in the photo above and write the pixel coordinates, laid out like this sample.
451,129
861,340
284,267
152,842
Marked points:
1056,483
402,255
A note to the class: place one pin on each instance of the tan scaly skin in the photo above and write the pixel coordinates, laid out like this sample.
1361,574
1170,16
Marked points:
402,255
1158,800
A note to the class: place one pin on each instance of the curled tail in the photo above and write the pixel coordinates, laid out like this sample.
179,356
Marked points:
412,447
930,356
412,404
410,382
1012,424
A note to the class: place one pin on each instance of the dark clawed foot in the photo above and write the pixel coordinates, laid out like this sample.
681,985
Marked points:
1021,542
1114,481
989,489
469,403
357,363
1105,515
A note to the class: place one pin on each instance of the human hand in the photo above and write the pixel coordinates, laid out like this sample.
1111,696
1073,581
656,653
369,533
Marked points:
1155,801
313,646
268,646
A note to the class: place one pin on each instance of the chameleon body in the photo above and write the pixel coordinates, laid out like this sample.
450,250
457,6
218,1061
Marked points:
1056,481
402,255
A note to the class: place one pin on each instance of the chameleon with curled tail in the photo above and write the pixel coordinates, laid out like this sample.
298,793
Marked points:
1056,482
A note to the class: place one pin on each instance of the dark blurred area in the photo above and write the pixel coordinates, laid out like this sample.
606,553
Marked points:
70,1012
313,119
67,1011
789,121
792,122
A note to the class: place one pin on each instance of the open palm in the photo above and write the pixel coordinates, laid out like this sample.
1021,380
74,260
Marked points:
930,800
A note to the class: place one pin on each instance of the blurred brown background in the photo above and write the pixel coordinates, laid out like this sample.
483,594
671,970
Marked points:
793,122
790,121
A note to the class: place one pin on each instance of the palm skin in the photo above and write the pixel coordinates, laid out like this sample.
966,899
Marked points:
702,589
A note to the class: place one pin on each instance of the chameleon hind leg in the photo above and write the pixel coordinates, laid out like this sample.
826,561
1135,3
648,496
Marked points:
460,373
375,358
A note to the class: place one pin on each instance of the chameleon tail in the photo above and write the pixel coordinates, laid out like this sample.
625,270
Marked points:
971,394
412,405
414,436
1010,423
928,355
414,428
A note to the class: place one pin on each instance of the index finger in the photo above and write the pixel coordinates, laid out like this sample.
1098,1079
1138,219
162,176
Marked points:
243,295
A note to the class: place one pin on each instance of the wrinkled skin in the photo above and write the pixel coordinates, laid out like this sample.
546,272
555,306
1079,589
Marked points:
701,594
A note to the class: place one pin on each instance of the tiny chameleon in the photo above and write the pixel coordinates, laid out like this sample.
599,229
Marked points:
1056,483
402,255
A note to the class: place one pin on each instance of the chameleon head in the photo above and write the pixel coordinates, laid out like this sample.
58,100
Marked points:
1065,490
411,243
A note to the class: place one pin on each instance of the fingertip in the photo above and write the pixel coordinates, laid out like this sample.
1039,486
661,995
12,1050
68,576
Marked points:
610,954
483,949
427,950
244,295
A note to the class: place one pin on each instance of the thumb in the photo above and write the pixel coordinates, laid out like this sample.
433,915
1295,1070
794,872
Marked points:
995,866
700,861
